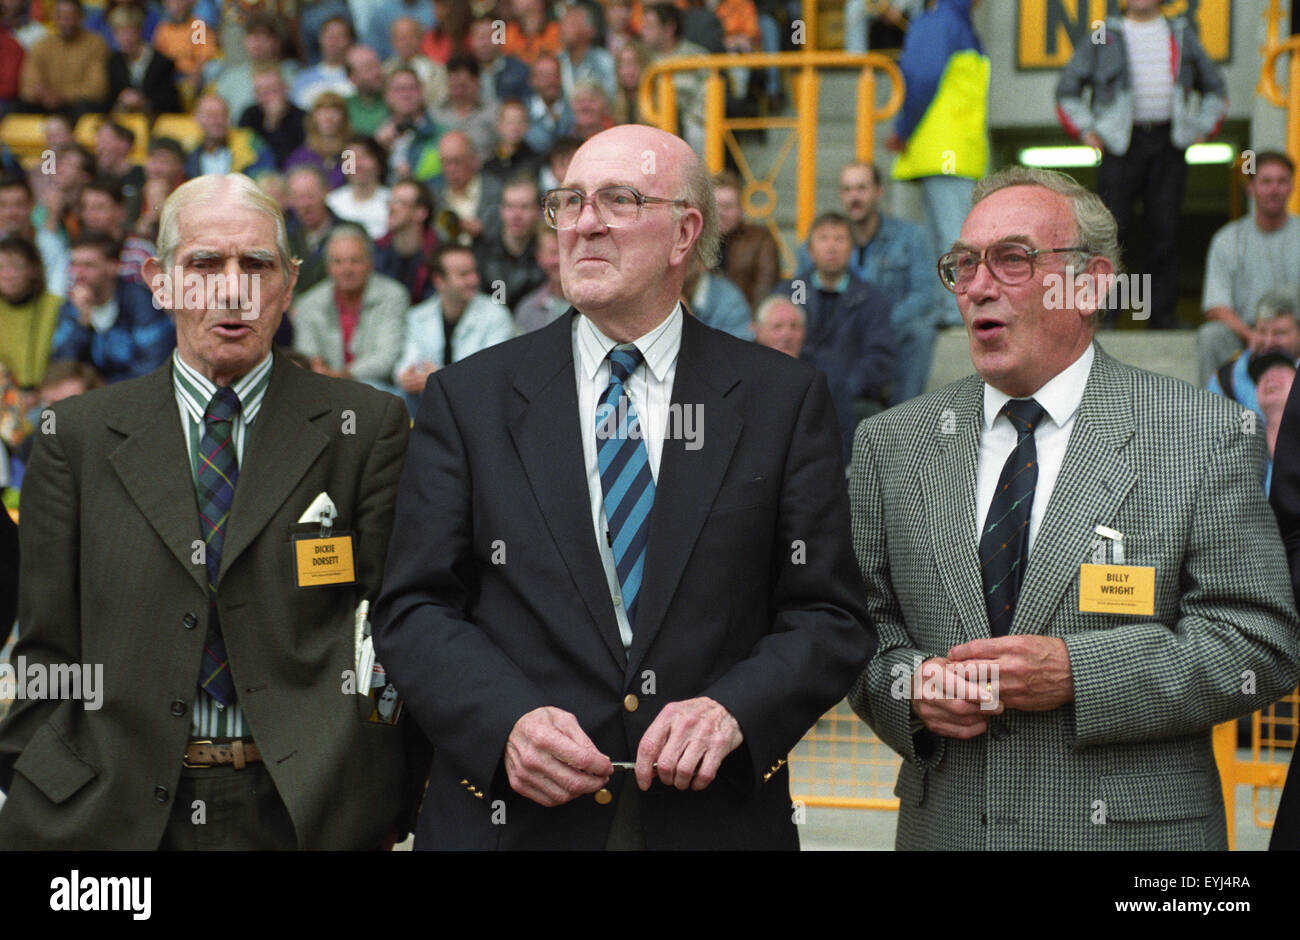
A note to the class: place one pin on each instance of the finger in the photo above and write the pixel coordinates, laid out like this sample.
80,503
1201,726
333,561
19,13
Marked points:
648,751
990,648
708,769
670,755
688,764
960,732
570,744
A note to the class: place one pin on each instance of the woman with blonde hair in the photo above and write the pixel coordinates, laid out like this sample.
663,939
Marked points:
328,131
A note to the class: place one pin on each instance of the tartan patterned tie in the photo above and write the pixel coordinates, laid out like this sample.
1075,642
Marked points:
218,471
625,477
1004,546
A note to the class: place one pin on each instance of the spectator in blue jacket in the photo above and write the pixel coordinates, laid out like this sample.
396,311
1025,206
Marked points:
847,331
107,321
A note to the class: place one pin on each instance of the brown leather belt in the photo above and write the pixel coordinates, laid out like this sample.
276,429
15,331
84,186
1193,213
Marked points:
207,754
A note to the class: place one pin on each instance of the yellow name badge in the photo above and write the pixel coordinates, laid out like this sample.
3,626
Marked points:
1117,589
324,561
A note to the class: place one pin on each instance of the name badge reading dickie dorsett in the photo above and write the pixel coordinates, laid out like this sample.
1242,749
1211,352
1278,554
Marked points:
324,561
1117,589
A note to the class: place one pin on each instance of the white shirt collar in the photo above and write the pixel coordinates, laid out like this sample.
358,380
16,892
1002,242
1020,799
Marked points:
1060,395
658,347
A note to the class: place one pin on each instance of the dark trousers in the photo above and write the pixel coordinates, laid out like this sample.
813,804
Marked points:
1155,171
223,808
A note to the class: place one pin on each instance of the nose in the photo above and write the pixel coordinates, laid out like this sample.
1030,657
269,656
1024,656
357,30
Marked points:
983,286
589,220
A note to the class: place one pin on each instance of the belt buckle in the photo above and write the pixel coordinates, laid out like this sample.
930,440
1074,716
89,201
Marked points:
185,760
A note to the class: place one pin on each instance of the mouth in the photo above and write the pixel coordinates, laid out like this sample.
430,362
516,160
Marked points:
232,329
986,328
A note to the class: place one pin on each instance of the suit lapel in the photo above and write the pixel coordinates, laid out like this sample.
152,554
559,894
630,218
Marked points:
688,479
1094,480
281,447
948,488
154,467
548,440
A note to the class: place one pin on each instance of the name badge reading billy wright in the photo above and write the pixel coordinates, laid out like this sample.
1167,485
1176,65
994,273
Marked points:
1117,589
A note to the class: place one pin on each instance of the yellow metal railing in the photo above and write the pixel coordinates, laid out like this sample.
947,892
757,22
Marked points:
1272,49
657,105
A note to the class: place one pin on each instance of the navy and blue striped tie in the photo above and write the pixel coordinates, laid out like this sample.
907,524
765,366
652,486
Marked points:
625,477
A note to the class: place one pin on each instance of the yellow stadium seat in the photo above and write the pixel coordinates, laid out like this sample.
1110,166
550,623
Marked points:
24,135
181,127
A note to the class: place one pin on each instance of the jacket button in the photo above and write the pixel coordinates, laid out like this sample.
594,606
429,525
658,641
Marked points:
160,794
178,708
190,621
603,796
630,702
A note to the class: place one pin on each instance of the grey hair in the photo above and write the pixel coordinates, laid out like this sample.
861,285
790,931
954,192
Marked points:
1097,232
245,193
697,192
1279,302
591,86
350,230
768,304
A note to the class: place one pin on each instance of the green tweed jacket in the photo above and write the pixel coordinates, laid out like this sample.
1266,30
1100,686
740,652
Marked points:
1128,764
108,529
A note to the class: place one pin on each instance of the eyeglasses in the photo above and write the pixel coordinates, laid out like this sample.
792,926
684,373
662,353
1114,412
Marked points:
616,206
1009,263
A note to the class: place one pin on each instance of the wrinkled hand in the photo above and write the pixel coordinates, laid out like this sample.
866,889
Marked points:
1033,672
955,712
688,740
550,759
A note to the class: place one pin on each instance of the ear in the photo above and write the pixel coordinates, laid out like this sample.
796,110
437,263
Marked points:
152,269
689,227
1102,274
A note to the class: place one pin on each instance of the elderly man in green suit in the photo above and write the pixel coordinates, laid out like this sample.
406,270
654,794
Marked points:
175,530
1071,563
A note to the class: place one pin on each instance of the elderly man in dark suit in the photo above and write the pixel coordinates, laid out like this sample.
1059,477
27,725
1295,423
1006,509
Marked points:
1071,561
170,531
567,590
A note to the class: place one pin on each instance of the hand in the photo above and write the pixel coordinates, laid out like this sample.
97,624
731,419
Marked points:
961,708
688,740
83,300
550,759
894,143
130,100
1033,672
1094,141
470,226
413,378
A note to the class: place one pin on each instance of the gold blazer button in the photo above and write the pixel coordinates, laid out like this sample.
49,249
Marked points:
603,796
630,702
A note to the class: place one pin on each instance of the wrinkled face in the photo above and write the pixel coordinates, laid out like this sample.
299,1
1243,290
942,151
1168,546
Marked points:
213,118
403,207
406,38
15,276
782,329
1017,344
220,241
366,71
99,213
628,68
830,247
307,199
348,265
859,193
15,210
621,270
729,213
403,95
268,88
1279,334
1271,188
1274,387
512,123
458,161
89,268
460,283
546,79
520,210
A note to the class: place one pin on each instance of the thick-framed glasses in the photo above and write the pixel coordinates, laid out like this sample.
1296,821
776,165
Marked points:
1010,263
616,206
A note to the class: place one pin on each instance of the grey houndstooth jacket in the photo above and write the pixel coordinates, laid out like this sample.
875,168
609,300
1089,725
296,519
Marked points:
1128,764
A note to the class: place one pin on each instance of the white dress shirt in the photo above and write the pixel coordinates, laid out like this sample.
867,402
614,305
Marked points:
650,389
1060,398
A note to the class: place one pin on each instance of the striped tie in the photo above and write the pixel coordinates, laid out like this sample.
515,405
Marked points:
1004,546
215,486
625,477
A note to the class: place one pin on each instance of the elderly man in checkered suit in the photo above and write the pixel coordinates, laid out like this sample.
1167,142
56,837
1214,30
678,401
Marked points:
1071,563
